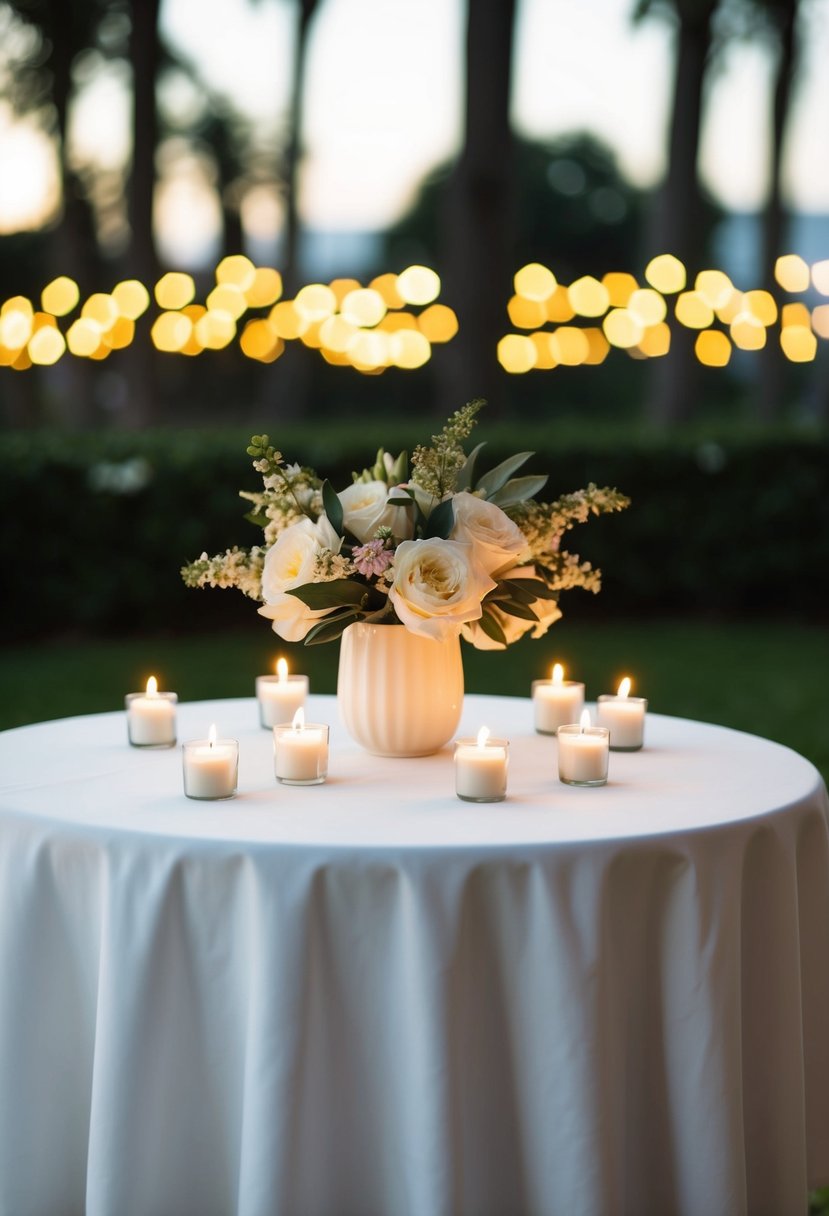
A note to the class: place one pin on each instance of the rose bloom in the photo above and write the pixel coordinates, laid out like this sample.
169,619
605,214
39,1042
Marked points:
497,542
437,587
514,627
290,562
365,509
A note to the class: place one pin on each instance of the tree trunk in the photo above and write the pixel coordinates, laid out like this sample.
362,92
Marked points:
293,151
679,222
478,222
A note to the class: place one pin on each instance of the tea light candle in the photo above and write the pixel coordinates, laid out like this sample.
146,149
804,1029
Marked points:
583,753
557,702
211,767
624,716
151,717
280,696
300,752
481,768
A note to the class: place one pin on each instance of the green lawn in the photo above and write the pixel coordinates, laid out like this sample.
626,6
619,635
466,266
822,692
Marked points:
769,679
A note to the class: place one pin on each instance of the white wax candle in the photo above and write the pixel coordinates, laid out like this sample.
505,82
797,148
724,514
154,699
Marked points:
481,768
300,752
582,754
624,716
211,767
151,717
280,697
556,702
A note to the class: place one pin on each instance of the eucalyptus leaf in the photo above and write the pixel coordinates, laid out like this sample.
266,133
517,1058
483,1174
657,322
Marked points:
533,587
331,628
492,629
519,589
439,524
514,608
519,490
333,506
500,475
466,473
336,593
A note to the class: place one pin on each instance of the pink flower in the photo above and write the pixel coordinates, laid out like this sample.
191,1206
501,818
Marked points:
372,558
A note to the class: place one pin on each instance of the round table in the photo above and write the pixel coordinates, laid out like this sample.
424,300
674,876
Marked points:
368,997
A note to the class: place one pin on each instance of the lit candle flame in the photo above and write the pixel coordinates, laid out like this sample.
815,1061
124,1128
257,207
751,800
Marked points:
483,736
558,673
152,687
624,687
298,722
584,722
211,735
281,670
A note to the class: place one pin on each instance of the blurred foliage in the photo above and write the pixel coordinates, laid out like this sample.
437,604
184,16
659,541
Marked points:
720,525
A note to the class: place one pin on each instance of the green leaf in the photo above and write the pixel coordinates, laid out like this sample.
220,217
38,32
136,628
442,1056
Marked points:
534,587
439,524
331,628
466,473
333,507
400,469
257,517
497,477
514,608
519,490
336,593
492,629
519,589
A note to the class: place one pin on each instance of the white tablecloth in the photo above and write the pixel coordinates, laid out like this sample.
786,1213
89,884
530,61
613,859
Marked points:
368,997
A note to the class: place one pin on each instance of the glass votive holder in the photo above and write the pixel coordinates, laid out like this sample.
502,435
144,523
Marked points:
624,717
279,698
151,718
556,703
211,768
583,754
481,769
300,753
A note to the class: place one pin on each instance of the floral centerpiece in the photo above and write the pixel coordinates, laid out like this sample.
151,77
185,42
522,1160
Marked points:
437,545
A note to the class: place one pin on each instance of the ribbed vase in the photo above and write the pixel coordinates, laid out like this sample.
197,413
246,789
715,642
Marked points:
399,694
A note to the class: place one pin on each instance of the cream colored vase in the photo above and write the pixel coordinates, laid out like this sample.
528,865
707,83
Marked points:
399,694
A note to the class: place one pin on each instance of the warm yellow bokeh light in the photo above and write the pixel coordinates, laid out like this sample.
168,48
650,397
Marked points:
260,341
761,304
174,289
557,307
393,321
648,306
287,321
60,296
622,329
101,308
715,287
237,271
544,358
693,311
799,344
656,340
409,348
341,287
418,285
22,361
132,298
569,346
526,314
791,272
666,273
84,337
193,346
336,358
369,350
820,276
363,307
265,289
795,314
620,287
598,347
516,353
588,297
386,285
46,346
15,328
820,320
314,303
17,304
438,323
227,298
121,334
535,282
337,334
215,330
712,348
170,331
311,336
748,332
734,305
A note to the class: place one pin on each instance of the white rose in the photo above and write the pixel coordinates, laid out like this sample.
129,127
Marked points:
291,562
496,541
366,508
437,586
514,627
